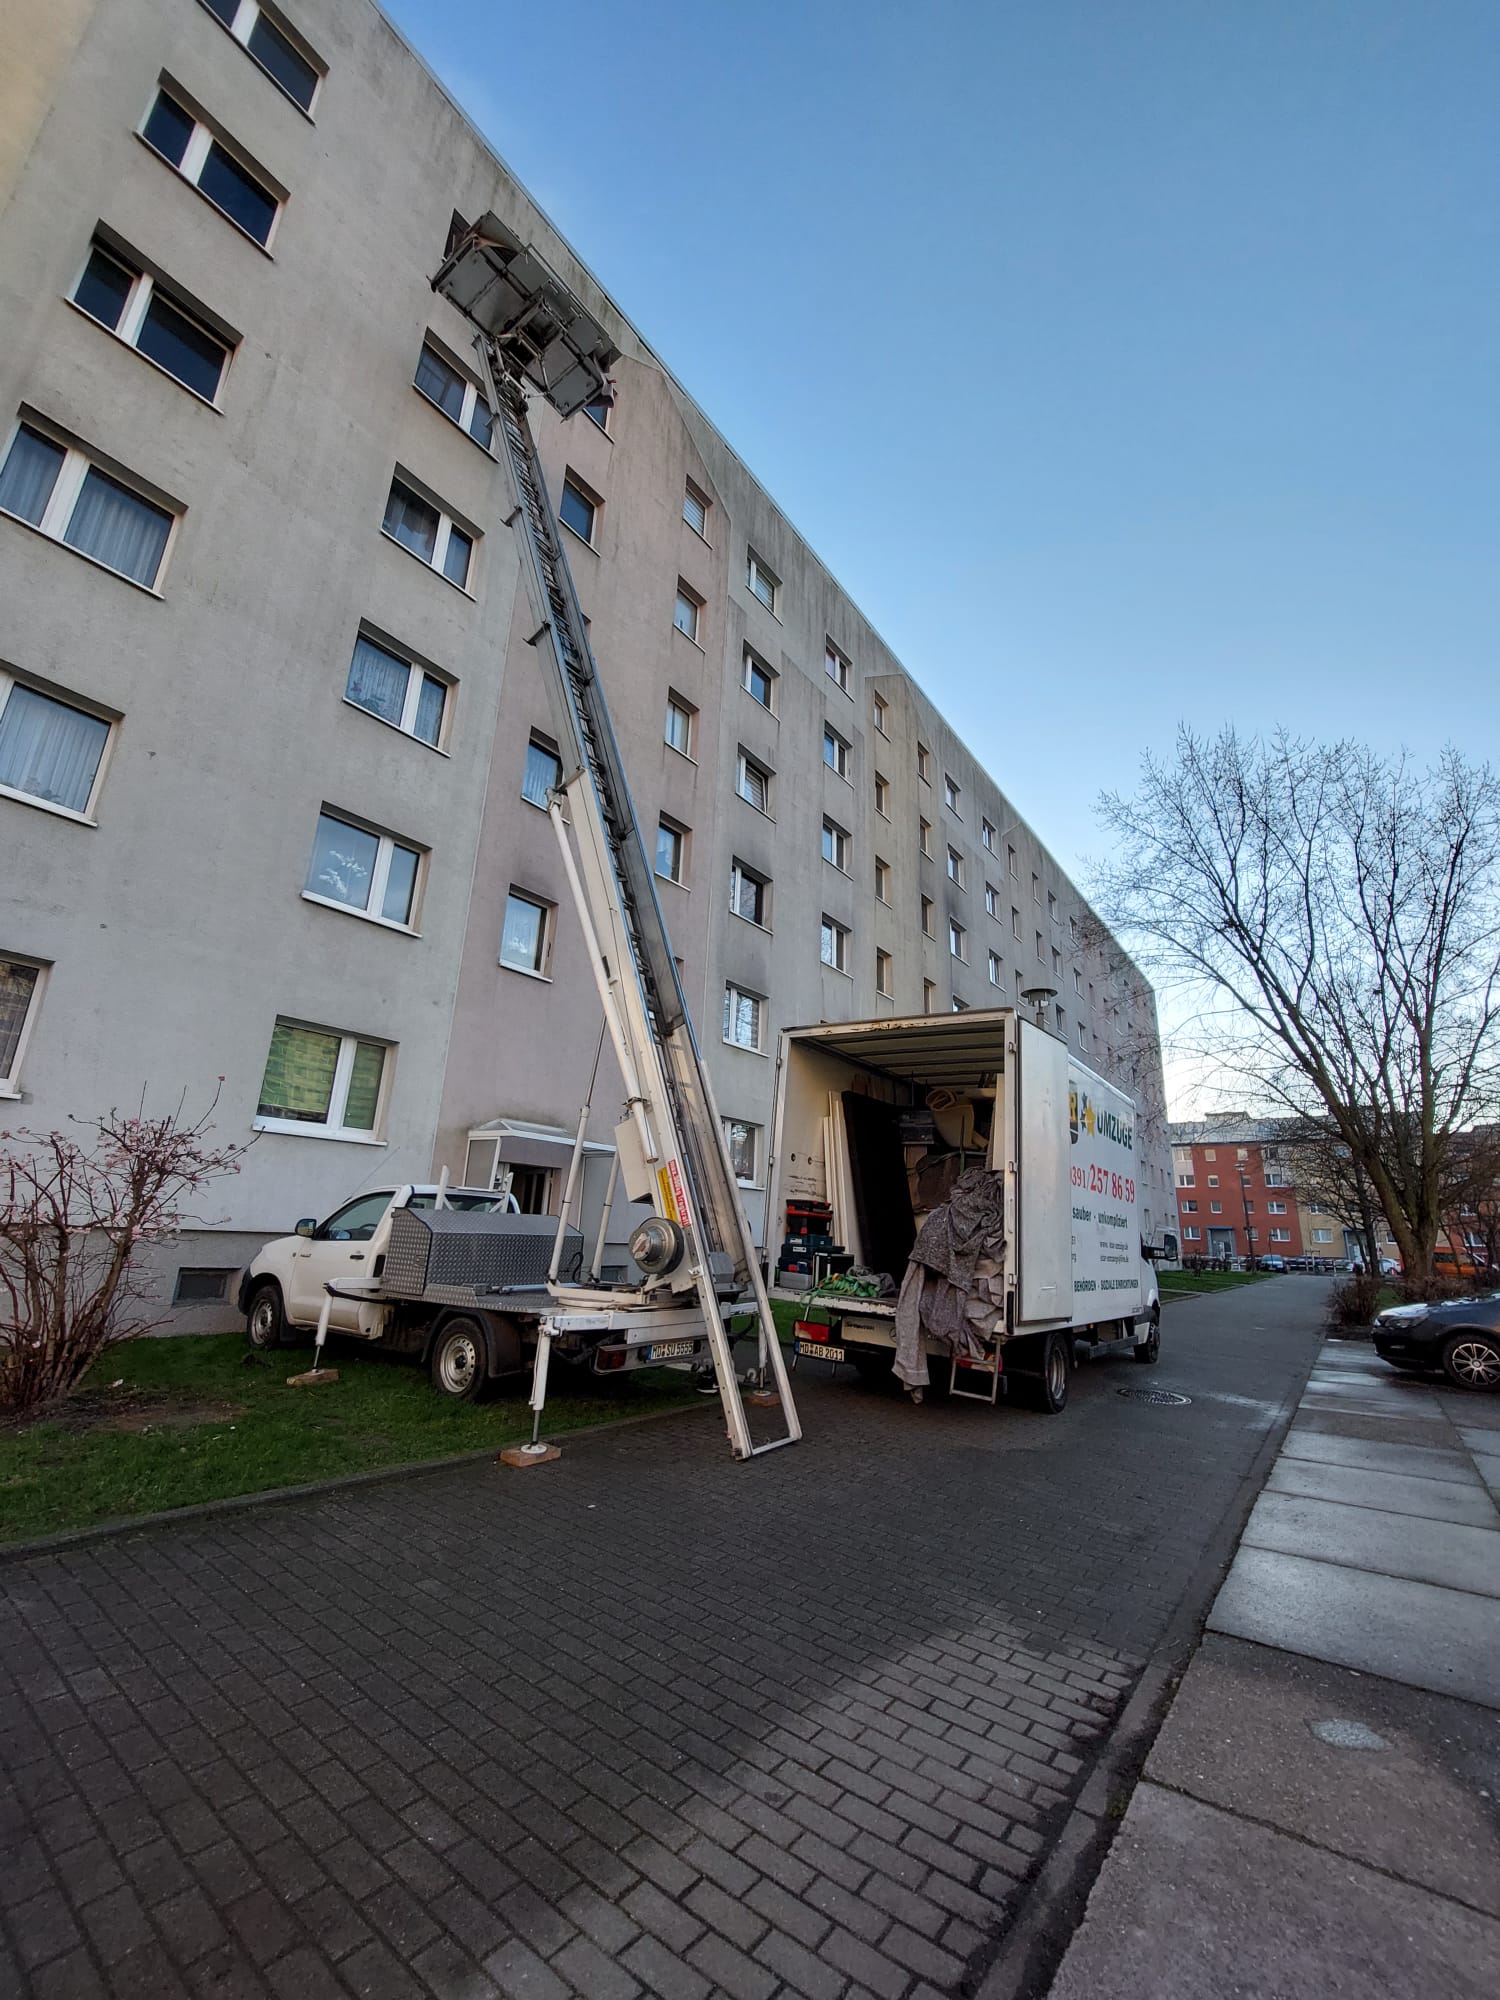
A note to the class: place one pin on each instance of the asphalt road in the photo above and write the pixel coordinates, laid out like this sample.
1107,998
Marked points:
641,1721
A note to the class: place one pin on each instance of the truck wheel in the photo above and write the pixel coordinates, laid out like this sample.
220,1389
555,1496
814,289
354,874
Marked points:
1050,1393
460,1361
1150,1348
265,1322
871,1364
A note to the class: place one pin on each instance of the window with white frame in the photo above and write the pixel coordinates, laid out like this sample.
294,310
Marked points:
835,844
991,900
671,850
579,508
924,837
695,509
958,939
526,933
1052,906
836,666
1061,1022
1187,1207
987,834
145,314
543,773
753,782
51,751
951,793
1083,1036
1036,890
1276,1207
927,906
289,63
21,983
995,969
1322,1236
1216,1208
743,1140
407,696
57,489
1012,864
880,709
960,1006
1056,963
320,1080
1040,949
1015,923
833,944
1190,1233
835,751
687,611
883,974
678,731
359,868
924,763
955,867
882,880
750,894
598,408
758,680
1185,1180
1281,1235
929,996
882,796
1077,980
461,400
239,191
761,582
744,1014
429,533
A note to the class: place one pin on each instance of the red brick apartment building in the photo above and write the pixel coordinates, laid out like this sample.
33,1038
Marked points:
1235,1197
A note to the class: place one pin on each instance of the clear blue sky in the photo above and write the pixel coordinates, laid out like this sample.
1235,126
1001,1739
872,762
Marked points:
1125,362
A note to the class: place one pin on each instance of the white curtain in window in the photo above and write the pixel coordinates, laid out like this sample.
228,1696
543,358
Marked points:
377,681
48,750
29,475
429,722
119,528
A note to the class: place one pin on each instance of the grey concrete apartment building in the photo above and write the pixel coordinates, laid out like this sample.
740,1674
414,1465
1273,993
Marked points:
272,740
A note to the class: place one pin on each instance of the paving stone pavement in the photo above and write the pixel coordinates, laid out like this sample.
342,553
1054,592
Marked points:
642,1722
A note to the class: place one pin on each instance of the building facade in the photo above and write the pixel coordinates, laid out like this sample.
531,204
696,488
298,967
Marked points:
273,742
1237,1196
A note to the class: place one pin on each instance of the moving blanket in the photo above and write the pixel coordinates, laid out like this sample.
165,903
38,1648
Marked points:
954,1288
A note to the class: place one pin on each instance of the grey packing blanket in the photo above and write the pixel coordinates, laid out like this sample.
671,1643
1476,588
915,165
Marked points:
954,1288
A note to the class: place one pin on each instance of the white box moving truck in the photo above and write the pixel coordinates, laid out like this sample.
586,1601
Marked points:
873,1121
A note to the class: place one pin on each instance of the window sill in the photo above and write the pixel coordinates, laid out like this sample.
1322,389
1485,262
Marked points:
770,818
603,429
9,1092
842,776
846,873
581,541
746,1050
365,916
525,972
697,645
209,202
46,806
761,605
291,1128
696,533
57,542
740,917
686,755
839,969
453,423
421,741
671,882
130,348
431,568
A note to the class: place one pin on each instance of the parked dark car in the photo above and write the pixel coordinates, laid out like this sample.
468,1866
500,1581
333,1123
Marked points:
1461,1337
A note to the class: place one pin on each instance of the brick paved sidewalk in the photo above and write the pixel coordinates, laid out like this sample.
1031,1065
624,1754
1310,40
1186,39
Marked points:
644,1722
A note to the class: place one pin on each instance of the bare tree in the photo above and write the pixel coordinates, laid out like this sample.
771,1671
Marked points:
72,1217
1336,917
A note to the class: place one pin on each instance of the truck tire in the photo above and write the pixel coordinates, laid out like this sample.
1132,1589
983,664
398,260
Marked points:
460,1360
1149,1349
872,1364
1049,1392
265,1320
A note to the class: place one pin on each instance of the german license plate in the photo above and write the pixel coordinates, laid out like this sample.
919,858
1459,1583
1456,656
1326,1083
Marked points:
814,1352
670,1350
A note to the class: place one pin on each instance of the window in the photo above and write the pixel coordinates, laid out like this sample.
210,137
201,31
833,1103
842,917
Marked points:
318,1080
50,751
955,867
671,851
1036,890
1052,906
272,47
1015,923
579,510
761,582
58,490
960,1006
1061,1021
543,774
950,794
758,679
430,534
753,782
1083,1036
1322,1236
695,510
1241,1153
1188,1207
882,880
929,996
742,1017
995,968
678,732
532,1188
526,935
883,974
187,144
927,930
1056,963
455,395
835,845
686,611
834,944
145,315
879,708
1184,1180
200,1285
1276,1208
987,834
362,869
924,837
1077,981
743,1141
1277,1177
397,690
1012,864
21,982
1282,1236
1216,1208
1040,950
1190,1234
835,751
749,894
597,409
924,763
836,666
882,796
991,900
1209,1153
1213,1179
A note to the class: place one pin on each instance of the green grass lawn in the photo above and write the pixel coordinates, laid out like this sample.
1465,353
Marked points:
382,1411
1188,1284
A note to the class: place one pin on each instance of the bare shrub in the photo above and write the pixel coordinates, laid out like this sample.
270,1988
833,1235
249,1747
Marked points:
1356,1301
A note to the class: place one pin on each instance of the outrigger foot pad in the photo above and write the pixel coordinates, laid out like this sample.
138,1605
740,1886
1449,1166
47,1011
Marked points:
314,1378
523,1455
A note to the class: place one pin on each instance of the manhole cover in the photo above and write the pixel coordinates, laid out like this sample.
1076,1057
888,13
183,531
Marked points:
1166,1398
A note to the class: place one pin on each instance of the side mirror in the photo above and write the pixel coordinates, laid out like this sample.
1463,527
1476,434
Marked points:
307,1226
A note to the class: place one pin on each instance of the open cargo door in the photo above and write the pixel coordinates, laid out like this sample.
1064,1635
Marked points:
1045,1251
